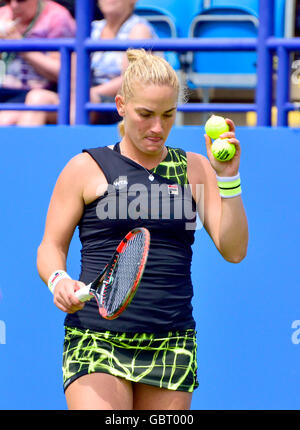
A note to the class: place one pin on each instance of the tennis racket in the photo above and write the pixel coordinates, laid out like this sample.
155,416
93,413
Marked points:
116,285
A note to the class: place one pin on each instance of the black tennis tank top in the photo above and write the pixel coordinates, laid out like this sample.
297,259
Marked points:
164,206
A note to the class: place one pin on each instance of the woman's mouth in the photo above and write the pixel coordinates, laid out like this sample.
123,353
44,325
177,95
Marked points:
154,139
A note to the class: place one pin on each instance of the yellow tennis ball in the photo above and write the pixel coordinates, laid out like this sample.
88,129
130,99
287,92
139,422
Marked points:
215,126
223,150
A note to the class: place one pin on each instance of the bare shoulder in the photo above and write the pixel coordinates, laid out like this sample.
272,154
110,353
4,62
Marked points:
77,171
199,168
80,161
80,165
200,172
194,157
85,176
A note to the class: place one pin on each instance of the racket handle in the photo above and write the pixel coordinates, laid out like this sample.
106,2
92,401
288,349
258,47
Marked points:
84,293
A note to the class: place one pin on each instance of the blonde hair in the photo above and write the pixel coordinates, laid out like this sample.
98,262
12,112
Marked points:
146,68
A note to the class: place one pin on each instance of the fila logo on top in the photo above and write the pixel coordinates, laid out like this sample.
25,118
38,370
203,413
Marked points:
173,189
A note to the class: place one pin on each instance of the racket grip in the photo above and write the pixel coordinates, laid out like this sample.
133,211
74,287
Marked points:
84,293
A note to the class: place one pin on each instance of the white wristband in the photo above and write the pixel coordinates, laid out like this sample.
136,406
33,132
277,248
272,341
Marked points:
56,276
228,178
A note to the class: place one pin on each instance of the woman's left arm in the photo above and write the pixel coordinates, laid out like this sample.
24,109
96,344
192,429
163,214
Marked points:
224,218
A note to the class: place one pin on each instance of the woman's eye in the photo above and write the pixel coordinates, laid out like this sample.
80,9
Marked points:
148,115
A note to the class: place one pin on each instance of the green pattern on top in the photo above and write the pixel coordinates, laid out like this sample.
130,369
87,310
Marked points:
174,166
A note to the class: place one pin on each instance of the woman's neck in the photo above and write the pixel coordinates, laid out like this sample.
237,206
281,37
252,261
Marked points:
149,161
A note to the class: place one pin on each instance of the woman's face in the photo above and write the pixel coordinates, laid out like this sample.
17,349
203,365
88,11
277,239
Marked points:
114,7
149,116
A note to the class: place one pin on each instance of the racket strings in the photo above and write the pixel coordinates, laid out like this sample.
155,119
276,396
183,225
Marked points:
128,267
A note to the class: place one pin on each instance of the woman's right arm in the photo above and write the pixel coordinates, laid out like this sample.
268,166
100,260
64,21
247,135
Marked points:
65,210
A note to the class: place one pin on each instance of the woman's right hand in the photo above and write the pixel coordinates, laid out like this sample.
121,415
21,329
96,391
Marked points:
64,297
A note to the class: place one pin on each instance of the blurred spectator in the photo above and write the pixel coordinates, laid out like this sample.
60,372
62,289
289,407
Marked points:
97,11
119,22
297,19
68,4
24,71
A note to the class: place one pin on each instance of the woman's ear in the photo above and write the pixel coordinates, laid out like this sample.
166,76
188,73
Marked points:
120,104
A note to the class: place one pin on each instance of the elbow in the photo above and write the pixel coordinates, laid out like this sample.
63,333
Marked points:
237,252
235,256
38,258
235,259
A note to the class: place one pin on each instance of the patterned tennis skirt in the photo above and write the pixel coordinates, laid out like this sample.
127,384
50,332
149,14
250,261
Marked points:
167,361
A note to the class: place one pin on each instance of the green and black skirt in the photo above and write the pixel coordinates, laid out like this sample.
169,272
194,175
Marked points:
166,361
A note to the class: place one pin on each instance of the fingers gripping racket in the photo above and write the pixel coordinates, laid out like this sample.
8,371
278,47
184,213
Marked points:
116,285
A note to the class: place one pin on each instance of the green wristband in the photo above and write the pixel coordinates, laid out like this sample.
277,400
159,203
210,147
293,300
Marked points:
229,186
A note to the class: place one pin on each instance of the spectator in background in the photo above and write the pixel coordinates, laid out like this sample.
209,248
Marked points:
119,22
70,5
24,71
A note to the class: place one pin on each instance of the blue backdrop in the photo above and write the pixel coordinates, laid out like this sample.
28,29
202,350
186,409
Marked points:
248,315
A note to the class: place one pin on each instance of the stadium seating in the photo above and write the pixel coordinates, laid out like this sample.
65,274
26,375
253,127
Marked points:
208,18
249,6
175,14
280,19
223,69
170,19
163,22
252,7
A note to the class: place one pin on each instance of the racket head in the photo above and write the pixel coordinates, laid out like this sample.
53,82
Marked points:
118,284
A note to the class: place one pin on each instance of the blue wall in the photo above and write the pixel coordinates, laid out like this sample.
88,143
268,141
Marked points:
248,350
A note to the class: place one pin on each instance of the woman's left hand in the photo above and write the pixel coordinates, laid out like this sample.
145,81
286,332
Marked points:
225,168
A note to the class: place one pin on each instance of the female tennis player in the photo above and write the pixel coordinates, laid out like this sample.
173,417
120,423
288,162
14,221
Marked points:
145,358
